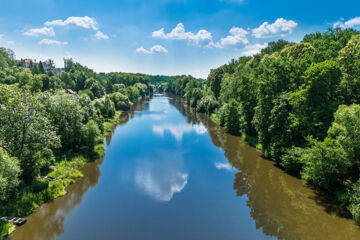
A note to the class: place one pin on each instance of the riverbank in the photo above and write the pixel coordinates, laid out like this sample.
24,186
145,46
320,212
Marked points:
64,171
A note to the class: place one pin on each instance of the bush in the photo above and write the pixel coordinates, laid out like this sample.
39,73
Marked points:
325,164
354,206
291,161
88,92
121,101
38,185
207,104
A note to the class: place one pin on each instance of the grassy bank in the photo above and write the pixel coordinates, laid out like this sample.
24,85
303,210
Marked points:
65,171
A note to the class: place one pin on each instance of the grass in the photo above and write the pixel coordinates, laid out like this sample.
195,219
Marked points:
6,228
65,171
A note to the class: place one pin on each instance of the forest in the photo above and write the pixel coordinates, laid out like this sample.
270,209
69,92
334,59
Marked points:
51,124
299,103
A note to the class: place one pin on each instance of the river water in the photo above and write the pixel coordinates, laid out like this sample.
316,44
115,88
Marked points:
171,173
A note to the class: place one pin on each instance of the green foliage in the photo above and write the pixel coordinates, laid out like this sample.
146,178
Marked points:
231,117
214,80
291,160
346,130
207,104
89,133
5,229
26,132
349,59
121,101
325,164
9,174
286,101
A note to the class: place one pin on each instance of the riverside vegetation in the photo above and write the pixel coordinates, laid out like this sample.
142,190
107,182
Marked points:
46,131
299,103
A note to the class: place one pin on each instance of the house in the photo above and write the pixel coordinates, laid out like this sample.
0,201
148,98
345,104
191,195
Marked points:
26,63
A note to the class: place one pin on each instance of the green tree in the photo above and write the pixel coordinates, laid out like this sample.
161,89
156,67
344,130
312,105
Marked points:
9,174
26,131
89,132
325,164
349,59
214,80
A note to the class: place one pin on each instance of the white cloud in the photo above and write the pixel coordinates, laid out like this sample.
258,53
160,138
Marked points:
281,27
52,42
237,36
45,31
153,49
348,24
202,37
253,49
10,42
84,22
1,36
100,35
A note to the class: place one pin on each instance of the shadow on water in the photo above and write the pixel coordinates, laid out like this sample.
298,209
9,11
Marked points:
281,205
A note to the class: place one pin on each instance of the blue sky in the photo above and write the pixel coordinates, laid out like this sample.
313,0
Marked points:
162,36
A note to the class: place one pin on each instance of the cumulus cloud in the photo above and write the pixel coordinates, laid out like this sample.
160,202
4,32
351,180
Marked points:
10,42
281,27
52,42
1,36
100,35
253,49
45,31
202,37
153,49
348,24
84,22
237,36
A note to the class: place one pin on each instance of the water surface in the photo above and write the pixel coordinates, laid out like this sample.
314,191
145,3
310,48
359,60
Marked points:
171,173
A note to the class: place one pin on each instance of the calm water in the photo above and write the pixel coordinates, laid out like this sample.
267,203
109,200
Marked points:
170,173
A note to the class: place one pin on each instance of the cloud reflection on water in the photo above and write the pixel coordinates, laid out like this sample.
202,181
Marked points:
160,177
178,130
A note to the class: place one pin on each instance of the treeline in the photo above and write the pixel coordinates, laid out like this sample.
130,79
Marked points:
298,103
49,120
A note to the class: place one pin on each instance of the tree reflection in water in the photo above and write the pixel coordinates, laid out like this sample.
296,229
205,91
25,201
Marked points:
281,205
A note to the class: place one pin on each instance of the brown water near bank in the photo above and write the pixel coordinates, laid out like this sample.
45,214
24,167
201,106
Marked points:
252,200
282,205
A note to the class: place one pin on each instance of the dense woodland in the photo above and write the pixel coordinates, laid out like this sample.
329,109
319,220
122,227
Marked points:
297,102
45,126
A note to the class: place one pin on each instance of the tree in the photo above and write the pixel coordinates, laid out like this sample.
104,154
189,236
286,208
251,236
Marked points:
26,131
325,164
214,80
37,83
41,68
232,124
89,132
66,115
346,130
9,174
25,78
349,59
315,102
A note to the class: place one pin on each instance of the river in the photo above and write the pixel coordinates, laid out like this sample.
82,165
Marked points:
172,173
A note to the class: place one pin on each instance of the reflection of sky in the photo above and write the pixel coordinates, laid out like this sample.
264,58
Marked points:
178,130
160,177
224,166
